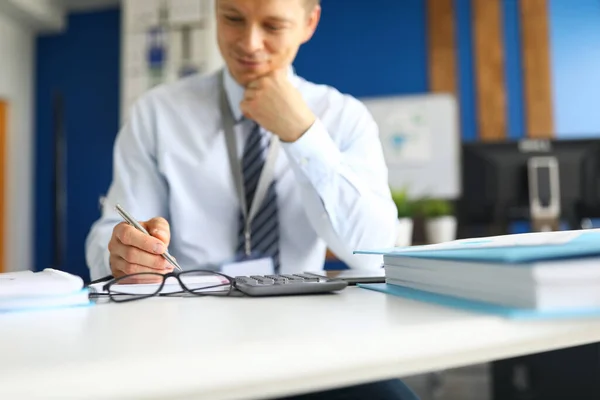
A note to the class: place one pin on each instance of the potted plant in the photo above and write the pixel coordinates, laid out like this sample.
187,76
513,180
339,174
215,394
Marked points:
405,218
440,221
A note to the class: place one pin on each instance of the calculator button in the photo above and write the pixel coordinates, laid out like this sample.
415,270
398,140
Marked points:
263,280
308,278
246,280
293,278
278,279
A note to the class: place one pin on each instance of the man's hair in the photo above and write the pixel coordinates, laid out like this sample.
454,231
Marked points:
312,3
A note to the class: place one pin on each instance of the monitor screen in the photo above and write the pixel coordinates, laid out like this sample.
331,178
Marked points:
496,184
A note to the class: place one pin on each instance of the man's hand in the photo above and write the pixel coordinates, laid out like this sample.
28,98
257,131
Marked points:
276,105
132,251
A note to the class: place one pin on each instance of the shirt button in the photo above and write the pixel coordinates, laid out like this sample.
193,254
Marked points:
304,161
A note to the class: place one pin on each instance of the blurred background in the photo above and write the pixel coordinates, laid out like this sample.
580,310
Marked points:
456,86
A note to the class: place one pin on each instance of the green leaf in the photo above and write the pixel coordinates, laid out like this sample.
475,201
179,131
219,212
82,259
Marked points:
431,208
404,205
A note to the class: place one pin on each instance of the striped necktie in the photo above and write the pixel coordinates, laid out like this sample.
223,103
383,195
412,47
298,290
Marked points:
264,230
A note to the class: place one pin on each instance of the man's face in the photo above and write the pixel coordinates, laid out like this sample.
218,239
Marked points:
258,36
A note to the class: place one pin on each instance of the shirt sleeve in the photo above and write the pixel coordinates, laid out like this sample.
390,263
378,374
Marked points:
345,186
137,185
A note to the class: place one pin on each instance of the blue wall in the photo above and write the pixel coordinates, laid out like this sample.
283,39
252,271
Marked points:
513,69
83,65
465,69
575,44
386,57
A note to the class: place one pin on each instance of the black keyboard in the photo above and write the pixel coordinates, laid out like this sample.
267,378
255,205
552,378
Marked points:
287,284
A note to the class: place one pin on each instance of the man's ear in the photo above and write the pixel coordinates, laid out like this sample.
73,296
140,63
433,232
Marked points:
313,21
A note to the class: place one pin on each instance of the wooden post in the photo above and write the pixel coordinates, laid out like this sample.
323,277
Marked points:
489,70
441,46
535,40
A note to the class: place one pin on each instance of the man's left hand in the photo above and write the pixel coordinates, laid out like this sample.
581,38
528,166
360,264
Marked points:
276,105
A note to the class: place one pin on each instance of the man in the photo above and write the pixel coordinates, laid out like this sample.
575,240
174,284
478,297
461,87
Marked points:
171,167
325,187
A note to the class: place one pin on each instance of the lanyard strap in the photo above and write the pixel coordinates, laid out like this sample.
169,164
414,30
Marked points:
266,176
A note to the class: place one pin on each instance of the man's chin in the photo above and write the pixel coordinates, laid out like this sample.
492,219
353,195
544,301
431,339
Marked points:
244,75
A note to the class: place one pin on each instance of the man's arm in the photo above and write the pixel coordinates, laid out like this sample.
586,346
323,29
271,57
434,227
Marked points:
137,185
345,186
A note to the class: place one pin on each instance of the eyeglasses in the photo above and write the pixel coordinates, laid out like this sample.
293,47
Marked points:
146,284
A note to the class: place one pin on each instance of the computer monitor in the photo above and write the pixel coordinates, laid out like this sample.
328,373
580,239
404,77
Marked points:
536,180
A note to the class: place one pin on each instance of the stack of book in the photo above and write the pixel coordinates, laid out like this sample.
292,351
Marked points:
50,288
550,272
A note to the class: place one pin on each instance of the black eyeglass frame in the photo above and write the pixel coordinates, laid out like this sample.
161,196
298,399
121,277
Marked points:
175,274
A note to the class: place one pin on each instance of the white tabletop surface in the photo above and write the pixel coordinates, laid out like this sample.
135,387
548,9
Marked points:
225,348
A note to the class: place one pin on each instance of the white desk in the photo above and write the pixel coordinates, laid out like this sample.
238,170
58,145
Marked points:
222,348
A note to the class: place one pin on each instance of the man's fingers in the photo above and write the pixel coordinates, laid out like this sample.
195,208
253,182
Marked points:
130,236
250,94
120,267
245,109
157,223
129,269
159,228
136,280
134,252
256,84
133,255
126,268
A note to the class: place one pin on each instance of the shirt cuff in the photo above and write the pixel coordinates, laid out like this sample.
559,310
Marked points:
106,265
315,154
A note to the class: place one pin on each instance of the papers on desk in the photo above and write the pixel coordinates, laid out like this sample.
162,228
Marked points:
545,273
49,288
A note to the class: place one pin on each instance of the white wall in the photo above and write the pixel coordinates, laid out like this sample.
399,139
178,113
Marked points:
17,86
141,16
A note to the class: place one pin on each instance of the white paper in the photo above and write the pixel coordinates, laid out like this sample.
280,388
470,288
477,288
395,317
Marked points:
261,266
521,239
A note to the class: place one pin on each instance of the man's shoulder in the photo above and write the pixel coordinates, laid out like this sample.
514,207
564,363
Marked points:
322,96
194,87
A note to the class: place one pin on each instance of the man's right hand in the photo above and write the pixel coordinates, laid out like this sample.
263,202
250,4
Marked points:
132,251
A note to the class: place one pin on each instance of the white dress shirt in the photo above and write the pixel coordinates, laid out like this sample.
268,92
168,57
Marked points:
170,160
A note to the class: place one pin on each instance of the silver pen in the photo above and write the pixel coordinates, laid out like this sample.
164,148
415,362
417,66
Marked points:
131,221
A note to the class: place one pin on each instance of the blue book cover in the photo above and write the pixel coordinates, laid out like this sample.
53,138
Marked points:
517,248
477,306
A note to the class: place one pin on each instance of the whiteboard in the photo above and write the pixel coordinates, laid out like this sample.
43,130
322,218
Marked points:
421,143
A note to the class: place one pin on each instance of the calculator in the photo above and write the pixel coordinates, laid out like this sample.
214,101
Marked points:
287,284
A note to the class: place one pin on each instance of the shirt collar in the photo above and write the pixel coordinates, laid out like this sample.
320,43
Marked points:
235,91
